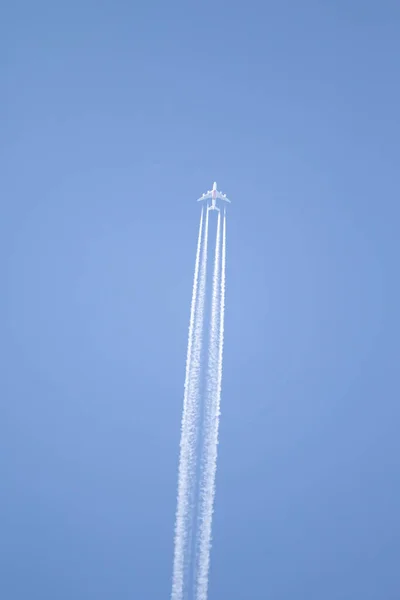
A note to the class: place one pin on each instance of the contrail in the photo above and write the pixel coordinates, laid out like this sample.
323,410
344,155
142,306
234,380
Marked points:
189,426
194,393
212,412
210,389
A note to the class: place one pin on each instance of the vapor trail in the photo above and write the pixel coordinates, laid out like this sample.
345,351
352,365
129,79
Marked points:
212,412
189,425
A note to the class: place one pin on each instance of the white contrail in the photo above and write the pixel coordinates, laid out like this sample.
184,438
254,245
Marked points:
211,421
185,449
187,459
194,394
210,391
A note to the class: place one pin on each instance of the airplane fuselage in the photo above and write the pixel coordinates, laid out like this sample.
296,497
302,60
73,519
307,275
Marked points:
213,205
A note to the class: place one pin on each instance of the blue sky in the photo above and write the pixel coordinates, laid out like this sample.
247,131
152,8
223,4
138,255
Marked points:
115,117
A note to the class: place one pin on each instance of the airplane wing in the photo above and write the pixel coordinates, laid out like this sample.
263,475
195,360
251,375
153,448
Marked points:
223,197
205,196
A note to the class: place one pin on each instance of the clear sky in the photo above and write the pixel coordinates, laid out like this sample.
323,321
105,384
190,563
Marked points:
115,117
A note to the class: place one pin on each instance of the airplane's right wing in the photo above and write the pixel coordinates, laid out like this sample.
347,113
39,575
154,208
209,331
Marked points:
223,197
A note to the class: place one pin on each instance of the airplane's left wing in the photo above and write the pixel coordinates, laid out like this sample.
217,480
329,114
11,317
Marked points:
205,196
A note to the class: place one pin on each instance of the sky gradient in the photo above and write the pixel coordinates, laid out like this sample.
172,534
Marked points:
115,117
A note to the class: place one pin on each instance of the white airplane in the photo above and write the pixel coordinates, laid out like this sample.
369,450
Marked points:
213,194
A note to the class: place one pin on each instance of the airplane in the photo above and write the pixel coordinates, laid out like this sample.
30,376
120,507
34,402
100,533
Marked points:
213,194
